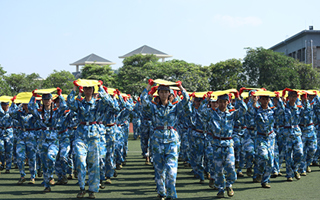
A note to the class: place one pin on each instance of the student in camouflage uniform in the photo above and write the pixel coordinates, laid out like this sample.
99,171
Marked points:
165,139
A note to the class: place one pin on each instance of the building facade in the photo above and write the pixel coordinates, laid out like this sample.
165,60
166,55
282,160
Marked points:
304,46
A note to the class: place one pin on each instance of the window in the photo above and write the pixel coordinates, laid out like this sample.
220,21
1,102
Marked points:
303,54
299,55
318,53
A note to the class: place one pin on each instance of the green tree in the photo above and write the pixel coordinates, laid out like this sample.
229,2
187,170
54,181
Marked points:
22,82
309,77
97,72
132,77
193,77
4,86
63,79
226,74
269,69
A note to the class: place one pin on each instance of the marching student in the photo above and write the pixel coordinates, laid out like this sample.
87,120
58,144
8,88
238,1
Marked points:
26,140
165,139
48,118
87,138
220,124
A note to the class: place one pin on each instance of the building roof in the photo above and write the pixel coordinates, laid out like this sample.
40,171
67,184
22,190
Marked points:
144,50
93,58
294,37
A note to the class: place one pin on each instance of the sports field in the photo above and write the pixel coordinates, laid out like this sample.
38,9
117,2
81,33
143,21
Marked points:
135,181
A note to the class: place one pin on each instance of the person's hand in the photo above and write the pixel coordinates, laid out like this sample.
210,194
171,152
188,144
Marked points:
230,97
175,93
153,90
277,94
204,97
105,89
34,93
241,90
193,95
285,90
305,95
75,82
118,92
236,94
100,82
150,82
13,98
115,93
80,89
59,91
316,92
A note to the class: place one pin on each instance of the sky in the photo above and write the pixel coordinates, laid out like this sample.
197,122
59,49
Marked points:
42,36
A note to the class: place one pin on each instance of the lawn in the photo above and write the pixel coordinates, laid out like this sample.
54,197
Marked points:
135,181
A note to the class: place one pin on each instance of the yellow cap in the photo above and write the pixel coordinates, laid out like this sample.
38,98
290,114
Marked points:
87,82
46,91
23,97
264,93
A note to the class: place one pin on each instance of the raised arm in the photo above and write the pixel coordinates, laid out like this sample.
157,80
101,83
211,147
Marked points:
33,108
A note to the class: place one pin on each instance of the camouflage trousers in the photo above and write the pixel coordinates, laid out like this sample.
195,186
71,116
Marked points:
145,129
165,157
110,148
317,154
63,157
102,159
197,153
294,153
224,161
279,150
309,149
184,137
26,148
49,151
6,151
38,154
136,128
87,152
119,151
238,149
265,156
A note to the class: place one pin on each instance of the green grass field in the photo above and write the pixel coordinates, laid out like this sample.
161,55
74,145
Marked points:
135,181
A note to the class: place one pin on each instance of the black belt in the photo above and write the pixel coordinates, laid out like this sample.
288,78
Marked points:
240,127
293,126
63,131
5,127
48,128
264,134
305,125
88,123
219,138
197,130
164,128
